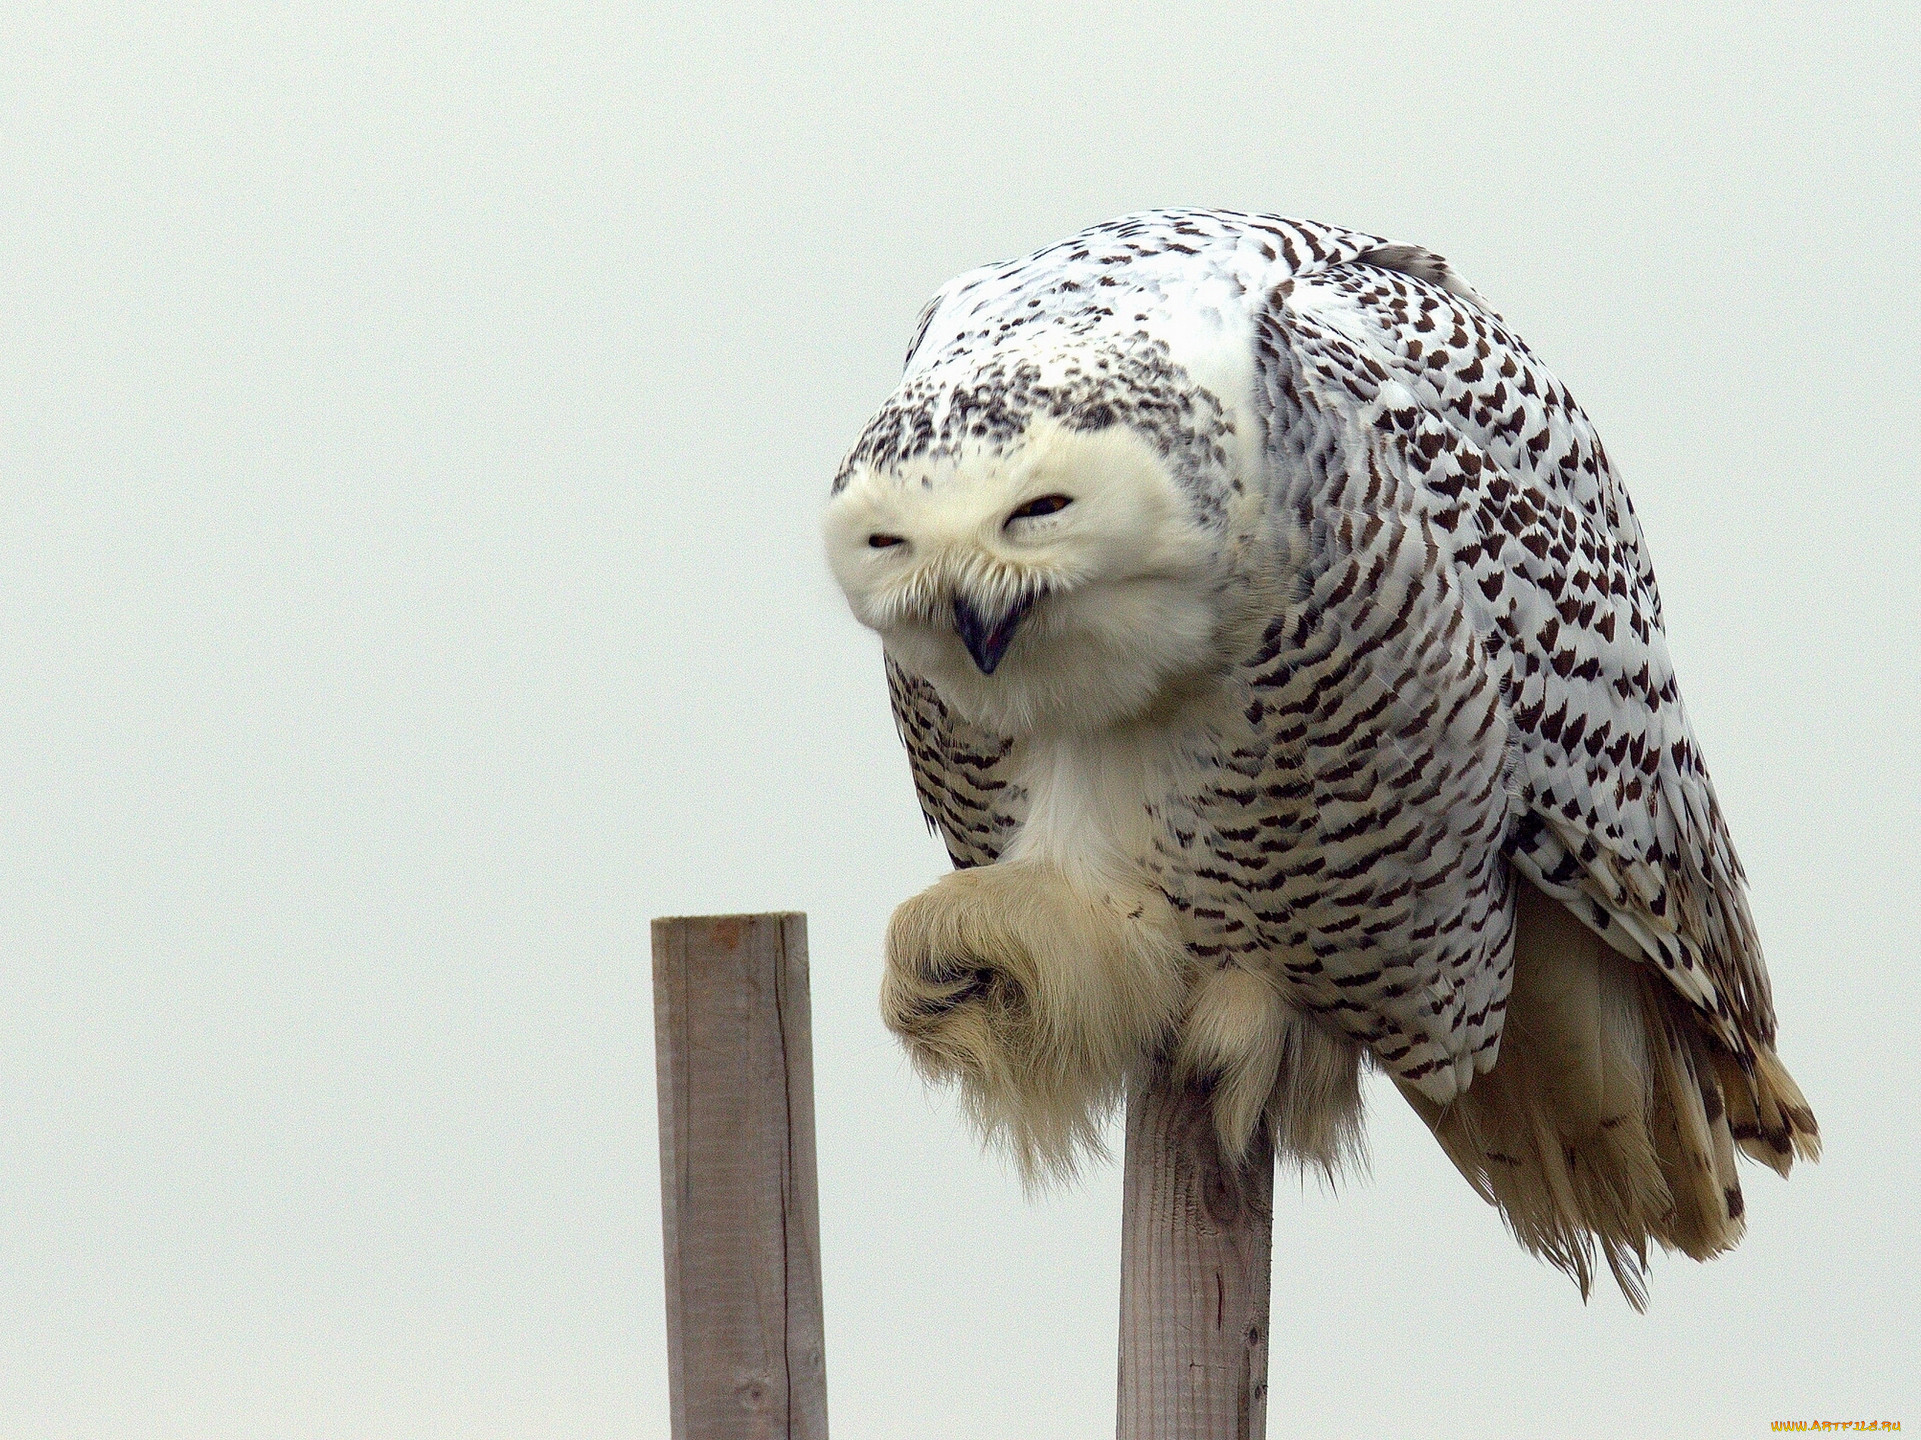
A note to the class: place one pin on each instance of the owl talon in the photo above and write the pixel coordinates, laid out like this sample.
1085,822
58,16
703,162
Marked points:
941,992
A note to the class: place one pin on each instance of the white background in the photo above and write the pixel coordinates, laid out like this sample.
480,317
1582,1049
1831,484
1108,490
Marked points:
415,420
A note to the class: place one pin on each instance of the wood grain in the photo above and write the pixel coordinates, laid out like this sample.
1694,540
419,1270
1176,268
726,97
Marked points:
734,1049
1196,1243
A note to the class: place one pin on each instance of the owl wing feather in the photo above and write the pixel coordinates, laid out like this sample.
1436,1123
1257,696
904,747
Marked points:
961,773
1353,833
1406,412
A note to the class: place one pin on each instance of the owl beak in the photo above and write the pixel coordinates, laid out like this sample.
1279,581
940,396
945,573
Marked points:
987,640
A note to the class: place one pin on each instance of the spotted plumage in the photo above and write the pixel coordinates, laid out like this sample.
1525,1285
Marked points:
1336,693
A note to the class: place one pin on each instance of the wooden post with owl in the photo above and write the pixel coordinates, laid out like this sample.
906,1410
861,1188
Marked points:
1196,1241
733,1042
1279,658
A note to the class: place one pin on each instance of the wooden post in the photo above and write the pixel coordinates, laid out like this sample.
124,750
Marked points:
1196,1242
733,1045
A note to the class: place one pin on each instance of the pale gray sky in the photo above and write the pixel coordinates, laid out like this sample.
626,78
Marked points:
415,421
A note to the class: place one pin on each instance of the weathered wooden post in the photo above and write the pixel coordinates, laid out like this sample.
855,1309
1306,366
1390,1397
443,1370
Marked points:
733,1046
1196,1243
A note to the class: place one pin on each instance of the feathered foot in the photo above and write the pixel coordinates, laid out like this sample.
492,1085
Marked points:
1257,1055
1036,992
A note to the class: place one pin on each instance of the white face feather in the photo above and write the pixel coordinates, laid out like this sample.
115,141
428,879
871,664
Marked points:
1122,580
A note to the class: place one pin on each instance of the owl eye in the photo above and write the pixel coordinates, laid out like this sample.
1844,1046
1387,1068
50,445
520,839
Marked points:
882,542
1046,505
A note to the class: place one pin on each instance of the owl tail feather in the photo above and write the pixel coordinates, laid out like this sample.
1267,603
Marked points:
1609,1120
1768,1116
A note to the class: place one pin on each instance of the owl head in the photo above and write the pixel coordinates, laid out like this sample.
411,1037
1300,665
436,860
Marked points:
1041,538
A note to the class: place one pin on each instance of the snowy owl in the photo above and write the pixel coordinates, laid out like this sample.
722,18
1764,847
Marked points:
1281,662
